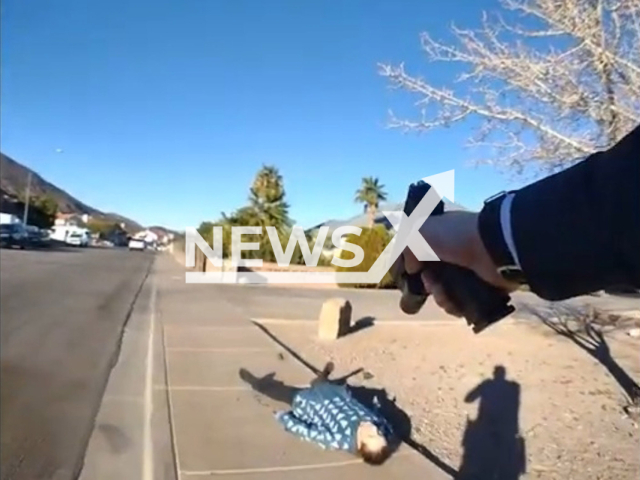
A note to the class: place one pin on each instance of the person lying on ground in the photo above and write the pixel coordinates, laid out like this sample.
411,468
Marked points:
328,415
572,233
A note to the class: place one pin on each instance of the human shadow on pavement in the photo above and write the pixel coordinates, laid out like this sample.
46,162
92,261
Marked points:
492,445
400,421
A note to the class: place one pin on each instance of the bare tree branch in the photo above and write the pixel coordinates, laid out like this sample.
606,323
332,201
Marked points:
539,105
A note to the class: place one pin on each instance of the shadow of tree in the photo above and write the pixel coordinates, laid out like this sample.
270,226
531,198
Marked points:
586,328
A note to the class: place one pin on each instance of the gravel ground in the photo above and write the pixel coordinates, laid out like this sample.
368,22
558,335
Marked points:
566,405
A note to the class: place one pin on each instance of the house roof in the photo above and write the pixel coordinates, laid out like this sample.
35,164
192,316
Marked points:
362,220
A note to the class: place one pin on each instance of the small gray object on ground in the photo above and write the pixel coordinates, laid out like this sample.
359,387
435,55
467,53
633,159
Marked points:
335,319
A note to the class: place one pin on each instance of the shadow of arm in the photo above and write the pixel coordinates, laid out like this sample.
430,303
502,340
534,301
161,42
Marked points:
475,393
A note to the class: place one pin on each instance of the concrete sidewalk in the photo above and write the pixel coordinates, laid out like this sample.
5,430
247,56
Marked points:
219,426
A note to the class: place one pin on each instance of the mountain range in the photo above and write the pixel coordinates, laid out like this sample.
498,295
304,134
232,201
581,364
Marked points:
13,184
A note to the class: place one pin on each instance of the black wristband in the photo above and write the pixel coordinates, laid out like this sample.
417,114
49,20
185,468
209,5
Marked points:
490,230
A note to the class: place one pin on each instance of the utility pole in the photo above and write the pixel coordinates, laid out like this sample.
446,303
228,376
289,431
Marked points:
26,203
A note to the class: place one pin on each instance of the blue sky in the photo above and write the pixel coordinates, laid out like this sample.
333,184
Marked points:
166,110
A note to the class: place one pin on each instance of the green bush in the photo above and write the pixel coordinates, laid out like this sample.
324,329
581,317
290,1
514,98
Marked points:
373,241
325,261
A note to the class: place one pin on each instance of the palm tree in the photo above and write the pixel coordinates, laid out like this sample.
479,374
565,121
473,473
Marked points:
267,208
371,193
267,200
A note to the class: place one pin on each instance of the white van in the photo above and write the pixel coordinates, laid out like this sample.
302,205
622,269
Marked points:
9,218
71,235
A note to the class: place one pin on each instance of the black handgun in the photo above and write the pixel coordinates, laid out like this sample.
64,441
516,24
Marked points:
481,303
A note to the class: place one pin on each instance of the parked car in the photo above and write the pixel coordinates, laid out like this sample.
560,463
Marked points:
77,239
37,237
13,235
45,237
137,244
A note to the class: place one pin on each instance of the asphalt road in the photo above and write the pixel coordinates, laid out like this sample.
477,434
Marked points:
62,314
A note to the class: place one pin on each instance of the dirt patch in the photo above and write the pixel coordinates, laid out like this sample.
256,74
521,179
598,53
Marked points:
568,408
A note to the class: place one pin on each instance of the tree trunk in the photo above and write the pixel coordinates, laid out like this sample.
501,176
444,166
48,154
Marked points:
372,215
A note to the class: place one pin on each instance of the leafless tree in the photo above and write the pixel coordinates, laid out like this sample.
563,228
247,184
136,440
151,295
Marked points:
588,329
548,81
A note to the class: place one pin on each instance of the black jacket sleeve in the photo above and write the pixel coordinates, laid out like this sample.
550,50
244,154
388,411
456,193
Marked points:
578,231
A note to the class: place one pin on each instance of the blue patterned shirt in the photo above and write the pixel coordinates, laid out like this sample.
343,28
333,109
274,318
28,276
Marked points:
329,416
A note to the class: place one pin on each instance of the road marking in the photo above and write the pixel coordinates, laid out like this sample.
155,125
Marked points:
455,322
245,471
122,398
174,438
214,350
147,449
182,326
313,322
205,388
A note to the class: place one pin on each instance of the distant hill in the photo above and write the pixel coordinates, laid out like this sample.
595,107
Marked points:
13,184
131,225
162,231
13,181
